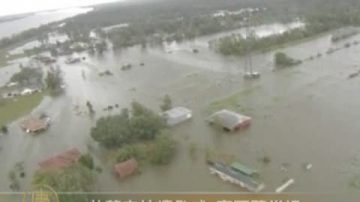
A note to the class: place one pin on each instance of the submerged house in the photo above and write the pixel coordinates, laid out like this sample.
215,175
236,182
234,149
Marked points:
177,115
126,168
72,60
230,121
239,167
45,59
228,174
35,125
61,160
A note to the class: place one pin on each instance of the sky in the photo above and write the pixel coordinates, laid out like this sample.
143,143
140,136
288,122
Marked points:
10,7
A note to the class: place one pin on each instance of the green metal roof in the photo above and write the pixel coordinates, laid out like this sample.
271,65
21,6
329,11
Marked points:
242,168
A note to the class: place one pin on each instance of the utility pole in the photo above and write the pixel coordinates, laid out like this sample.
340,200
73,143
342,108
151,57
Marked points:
249,37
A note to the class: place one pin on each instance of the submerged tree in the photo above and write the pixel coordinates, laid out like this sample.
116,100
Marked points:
76,178
28,76
4,129
163,150
88,161
282,60
90,107
128,127
54,80
166,103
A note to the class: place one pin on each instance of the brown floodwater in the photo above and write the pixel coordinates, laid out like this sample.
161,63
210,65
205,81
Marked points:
304,114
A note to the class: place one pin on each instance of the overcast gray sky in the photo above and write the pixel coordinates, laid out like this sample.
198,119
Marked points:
9,7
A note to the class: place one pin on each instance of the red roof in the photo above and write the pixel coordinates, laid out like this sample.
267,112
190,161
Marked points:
32,124
61,160
126,168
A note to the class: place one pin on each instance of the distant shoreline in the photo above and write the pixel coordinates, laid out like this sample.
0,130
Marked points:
9,18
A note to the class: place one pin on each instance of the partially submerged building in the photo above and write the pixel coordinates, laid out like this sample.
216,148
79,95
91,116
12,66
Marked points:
61,160
239,167
126,168
45,59
72,60
177,115
229,120
228,174
35,125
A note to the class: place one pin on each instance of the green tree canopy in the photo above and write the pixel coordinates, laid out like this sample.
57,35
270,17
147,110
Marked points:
28,76
76,178
139,124
282,60
167,103
163,150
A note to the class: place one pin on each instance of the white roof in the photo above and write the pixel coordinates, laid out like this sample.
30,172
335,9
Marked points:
177,112
27,90
228,119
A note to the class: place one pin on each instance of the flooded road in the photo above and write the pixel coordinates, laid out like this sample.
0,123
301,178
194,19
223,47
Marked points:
304,114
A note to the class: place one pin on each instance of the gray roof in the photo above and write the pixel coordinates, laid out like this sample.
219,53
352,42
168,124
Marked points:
228,119
249,182
177,112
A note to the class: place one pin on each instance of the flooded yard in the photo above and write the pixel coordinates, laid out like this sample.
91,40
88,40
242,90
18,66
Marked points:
304,114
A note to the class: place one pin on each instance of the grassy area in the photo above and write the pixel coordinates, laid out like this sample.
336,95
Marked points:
12,109
230,102
297,42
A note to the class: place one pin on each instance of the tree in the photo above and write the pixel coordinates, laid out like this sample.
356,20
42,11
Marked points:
131,151
43,39
28,76
53,52
282,60
101,47
163,150
87,161
167,103
145,123
4,129
76,178
112,131
118,130
54,80
90,107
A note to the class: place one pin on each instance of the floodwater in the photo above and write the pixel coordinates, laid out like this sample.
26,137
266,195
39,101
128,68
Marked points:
304,114
32,21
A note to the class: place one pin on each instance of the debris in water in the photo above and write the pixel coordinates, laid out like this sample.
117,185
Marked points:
265,160
284,167
284,186
353,75
308,166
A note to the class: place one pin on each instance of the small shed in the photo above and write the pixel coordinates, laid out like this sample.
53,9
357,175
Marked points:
61,160
239,167
177,115
35,125
229,120
126,168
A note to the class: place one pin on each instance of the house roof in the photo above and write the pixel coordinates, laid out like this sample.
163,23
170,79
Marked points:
126,168
61,160
242,168
177,112
228,119
34,124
